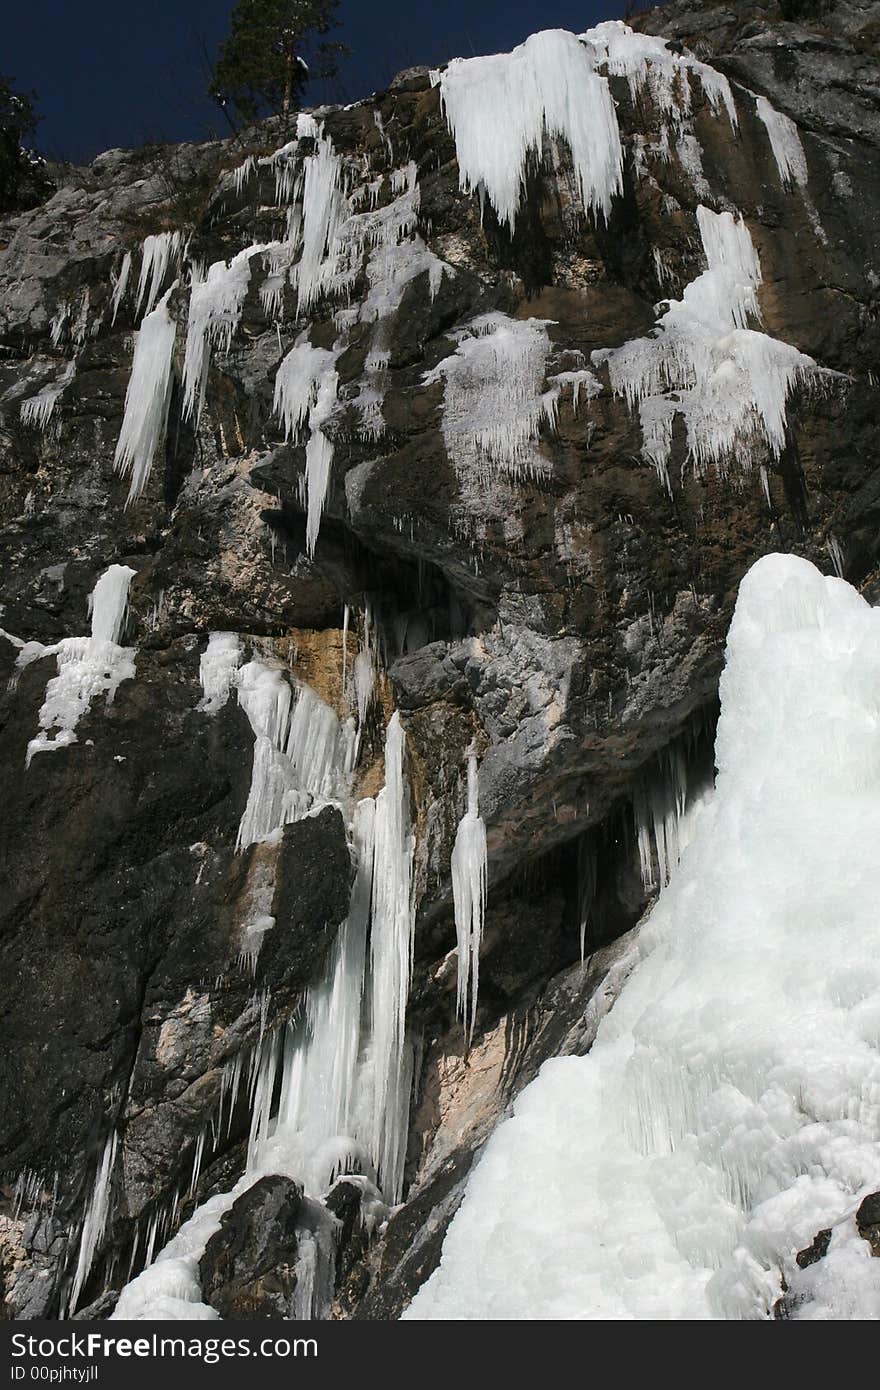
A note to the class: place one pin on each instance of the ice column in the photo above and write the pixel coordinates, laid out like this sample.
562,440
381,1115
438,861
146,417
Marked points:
469,895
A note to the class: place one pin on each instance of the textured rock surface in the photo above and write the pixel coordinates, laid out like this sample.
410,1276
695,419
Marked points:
249,1267
569,626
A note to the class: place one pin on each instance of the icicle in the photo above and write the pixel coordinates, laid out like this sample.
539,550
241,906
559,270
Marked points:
87,666
342,1072
835,551
305,388
494,404
391,958
345,617
644,59
730,383
323,211
95,1220
469,894
147,398
156,255
364,674
37,410
499,109
665,809
297,752
785,143
120,285
217,667
215,306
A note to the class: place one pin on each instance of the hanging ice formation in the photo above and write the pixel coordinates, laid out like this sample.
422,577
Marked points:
305,392
157,254
364,673
730,383
215,305
494,403
729,1108
469,895
329,1091
329,243
94,1222
87,666
785,143
120,285
218,668
667,803
501,107
302,755
147,398
646,61
37,410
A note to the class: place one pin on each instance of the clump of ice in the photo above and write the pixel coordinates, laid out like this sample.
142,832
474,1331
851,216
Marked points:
146,398
119,281
645,60
305,392
500,108
217,670
87,666
495,403
730,383
215,305
730,1106
300,751
37,410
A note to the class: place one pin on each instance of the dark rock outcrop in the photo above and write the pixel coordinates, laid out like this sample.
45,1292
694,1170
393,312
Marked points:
248,1270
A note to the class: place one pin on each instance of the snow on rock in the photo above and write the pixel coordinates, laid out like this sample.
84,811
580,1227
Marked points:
147,398
730,1106
469,865
87,666
500,108
218,665
785,143
730,383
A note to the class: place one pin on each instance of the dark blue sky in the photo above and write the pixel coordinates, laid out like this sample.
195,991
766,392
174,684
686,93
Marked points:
112,72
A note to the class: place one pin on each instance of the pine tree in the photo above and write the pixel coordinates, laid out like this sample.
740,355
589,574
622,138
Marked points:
261,67
23,181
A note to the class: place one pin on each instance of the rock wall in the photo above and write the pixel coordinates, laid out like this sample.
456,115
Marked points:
563,618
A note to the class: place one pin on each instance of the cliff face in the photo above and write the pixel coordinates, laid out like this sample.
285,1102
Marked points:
499,474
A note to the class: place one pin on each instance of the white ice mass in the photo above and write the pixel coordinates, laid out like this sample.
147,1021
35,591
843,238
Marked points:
729,382
469,896
500,108
785,143
87,666
147,398
730,1106
329,1091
